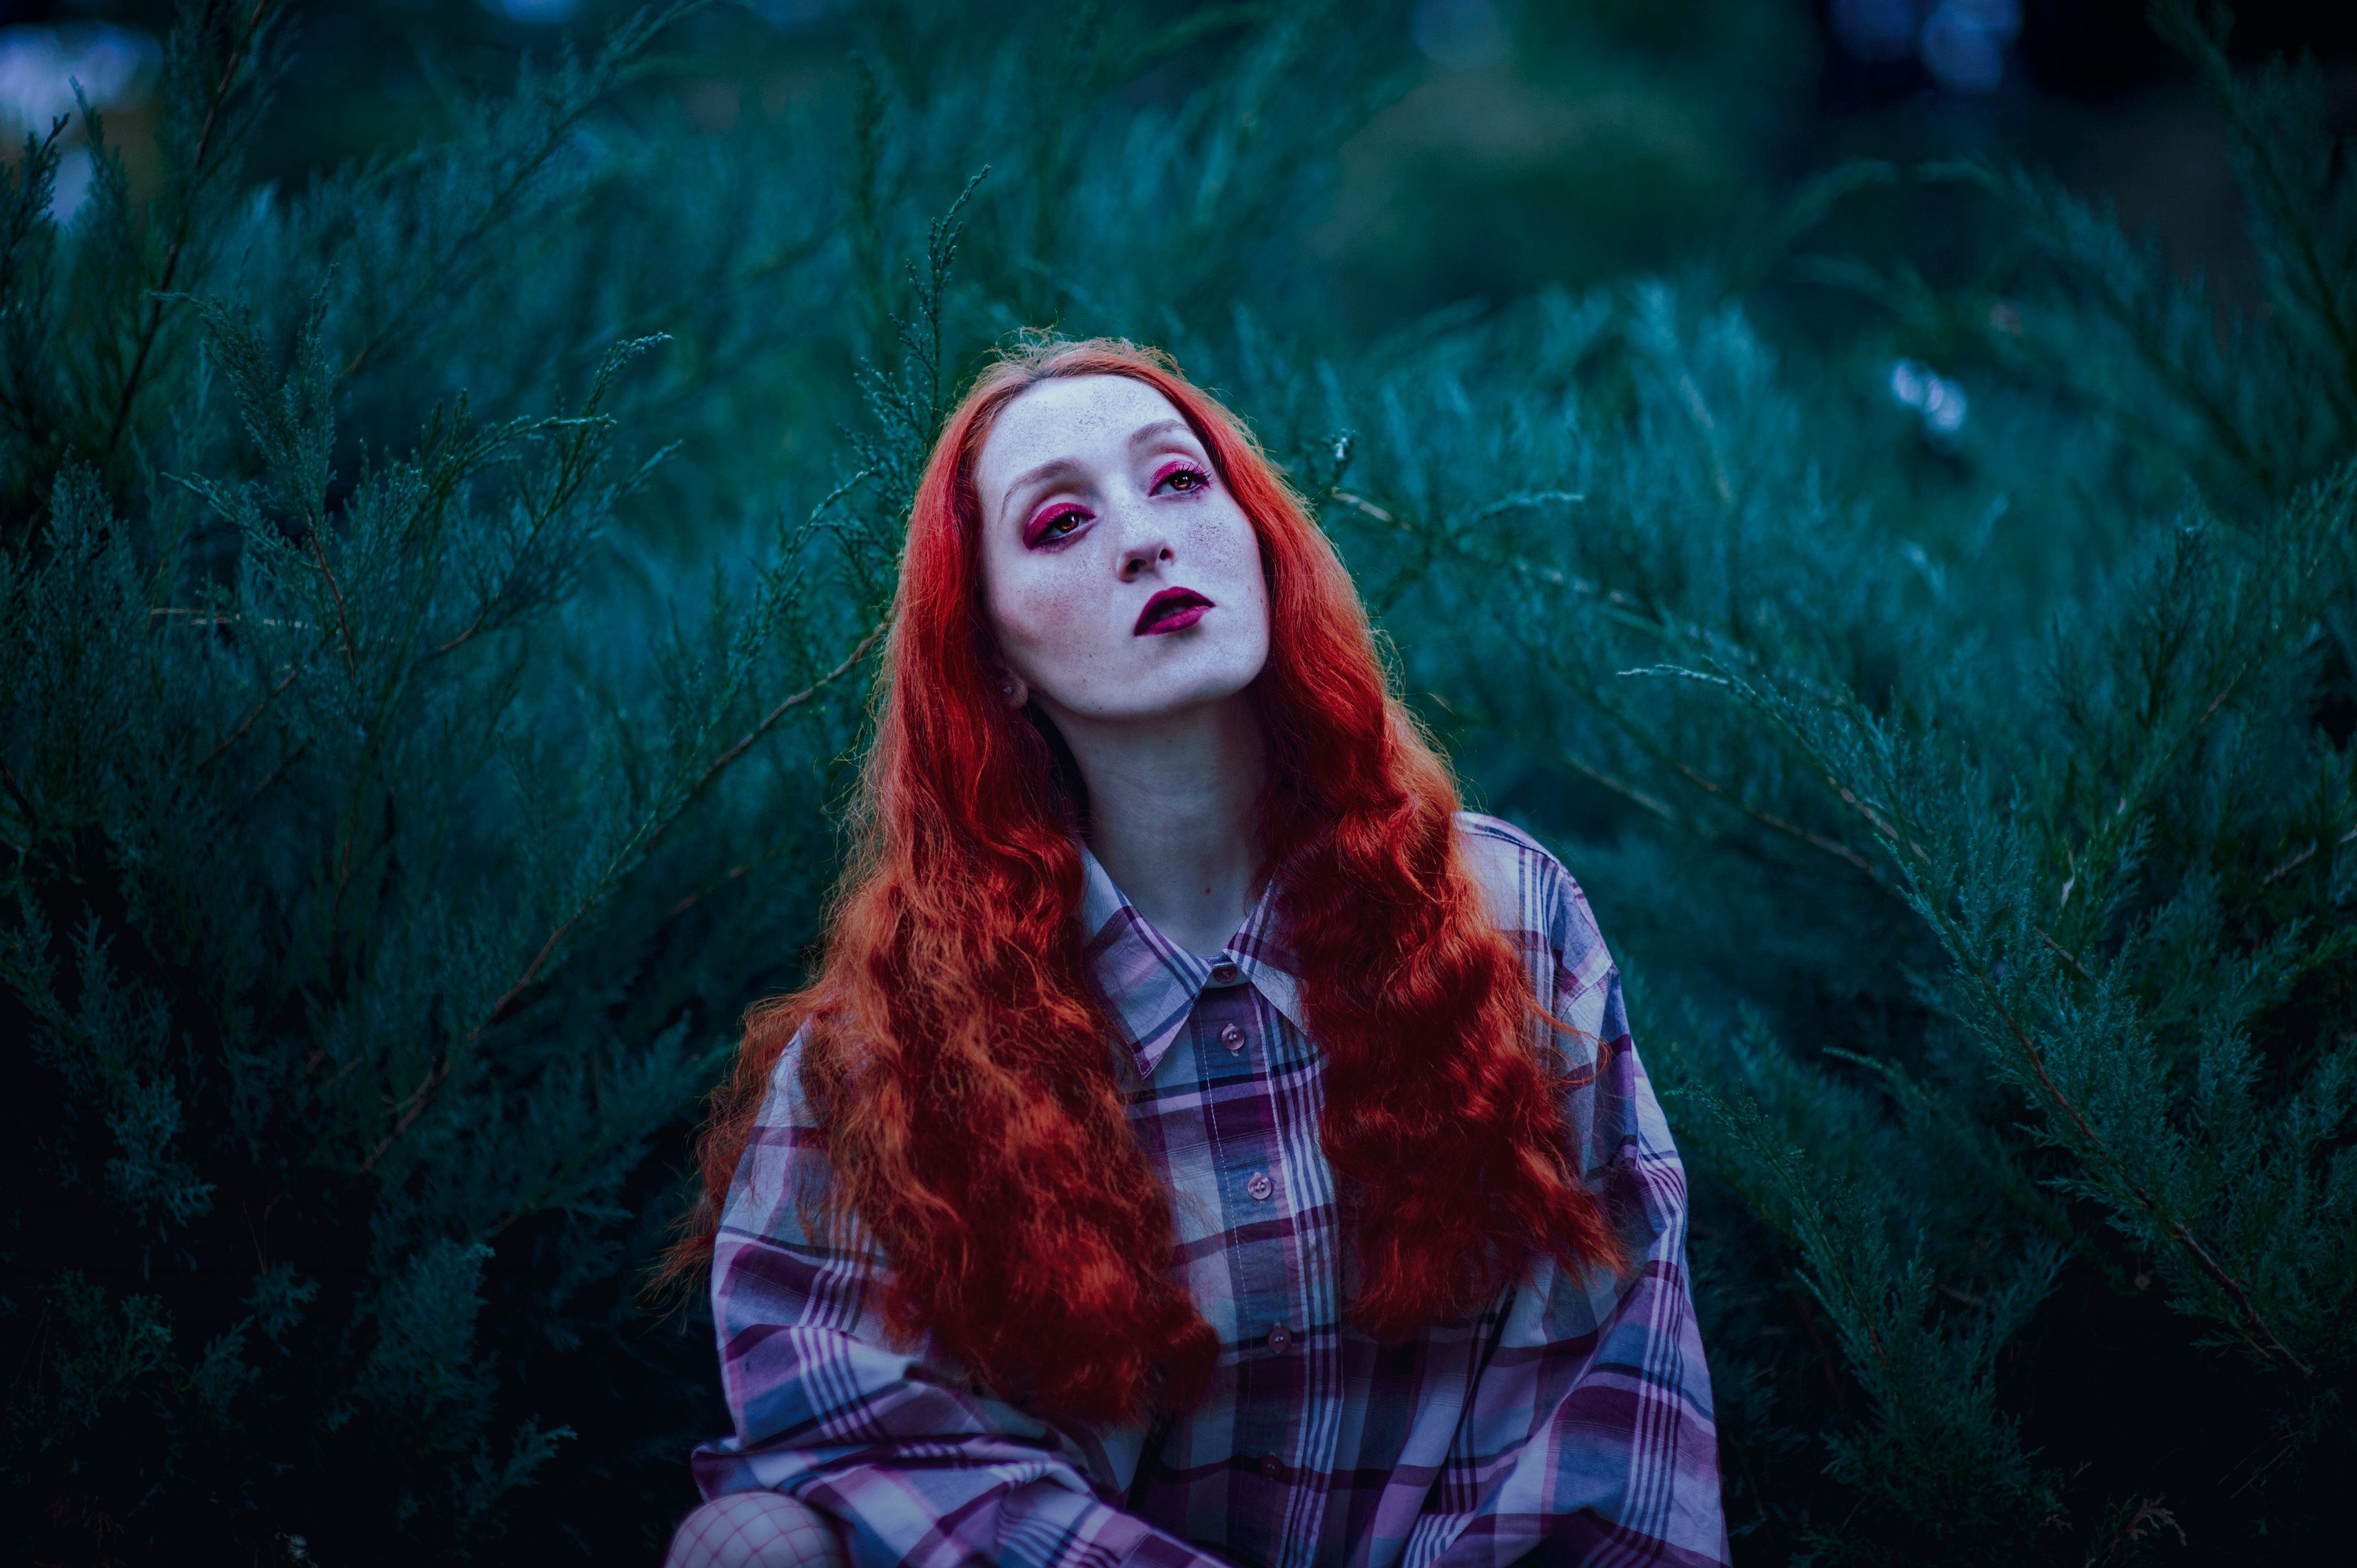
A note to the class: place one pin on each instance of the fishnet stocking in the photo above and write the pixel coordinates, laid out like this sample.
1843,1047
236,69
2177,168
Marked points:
756,1529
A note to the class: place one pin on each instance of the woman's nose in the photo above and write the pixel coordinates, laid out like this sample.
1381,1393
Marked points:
1138,560
1146,547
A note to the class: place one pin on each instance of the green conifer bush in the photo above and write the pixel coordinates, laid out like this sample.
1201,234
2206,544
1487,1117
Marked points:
437,604
1980,849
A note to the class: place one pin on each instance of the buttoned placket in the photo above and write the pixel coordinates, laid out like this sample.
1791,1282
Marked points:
1259,1187
1263,1259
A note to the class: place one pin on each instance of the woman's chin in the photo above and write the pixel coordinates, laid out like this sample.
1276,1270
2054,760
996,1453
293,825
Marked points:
1160,698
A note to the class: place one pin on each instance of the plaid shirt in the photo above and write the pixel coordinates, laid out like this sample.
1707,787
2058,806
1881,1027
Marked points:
1570,1423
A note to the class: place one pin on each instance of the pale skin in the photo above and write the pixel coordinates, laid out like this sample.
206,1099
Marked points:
1102,520
1096,498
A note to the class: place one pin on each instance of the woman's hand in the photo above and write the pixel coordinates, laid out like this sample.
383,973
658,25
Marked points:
756,1529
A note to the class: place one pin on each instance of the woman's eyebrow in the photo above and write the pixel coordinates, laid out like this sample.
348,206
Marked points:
1146,432
1053,469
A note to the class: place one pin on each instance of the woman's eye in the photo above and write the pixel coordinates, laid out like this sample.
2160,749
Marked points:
1057,526
1184,480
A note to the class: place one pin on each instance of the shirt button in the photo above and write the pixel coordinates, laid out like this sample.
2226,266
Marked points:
1259,1187
1272,1467
1280,1337
1225,973
1233,1038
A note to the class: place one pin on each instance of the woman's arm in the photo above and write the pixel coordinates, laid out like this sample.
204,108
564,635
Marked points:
912,1462
1590,1430
1589,1434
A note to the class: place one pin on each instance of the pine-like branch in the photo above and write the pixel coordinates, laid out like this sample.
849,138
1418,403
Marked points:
202,165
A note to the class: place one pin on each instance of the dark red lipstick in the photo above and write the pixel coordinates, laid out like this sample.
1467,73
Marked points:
1172,609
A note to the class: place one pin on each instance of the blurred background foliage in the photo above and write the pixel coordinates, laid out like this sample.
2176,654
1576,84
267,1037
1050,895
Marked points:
1867,482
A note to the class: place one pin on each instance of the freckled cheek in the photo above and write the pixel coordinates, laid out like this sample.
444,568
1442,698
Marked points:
1224,541
1050,621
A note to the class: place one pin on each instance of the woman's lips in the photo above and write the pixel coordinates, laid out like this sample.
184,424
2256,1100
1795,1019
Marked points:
1172,609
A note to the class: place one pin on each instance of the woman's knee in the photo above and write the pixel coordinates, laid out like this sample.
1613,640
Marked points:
756,1529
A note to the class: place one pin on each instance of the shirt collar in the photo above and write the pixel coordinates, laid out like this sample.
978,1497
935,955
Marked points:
1149,987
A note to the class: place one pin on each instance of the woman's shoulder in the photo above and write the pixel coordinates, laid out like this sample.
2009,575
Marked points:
787,1104
1527,889
1495,835
783,1175
1509,861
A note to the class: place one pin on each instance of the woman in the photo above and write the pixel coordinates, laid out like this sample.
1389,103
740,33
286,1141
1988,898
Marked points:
1202,1143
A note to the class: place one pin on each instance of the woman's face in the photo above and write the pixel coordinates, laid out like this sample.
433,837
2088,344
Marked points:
1122,580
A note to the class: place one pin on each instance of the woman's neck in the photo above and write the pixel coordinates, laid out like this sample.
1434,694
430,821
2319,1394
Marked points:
1174,813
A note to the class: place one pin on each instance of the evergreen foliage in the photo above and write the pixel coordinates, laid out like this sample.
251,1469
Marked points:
435,610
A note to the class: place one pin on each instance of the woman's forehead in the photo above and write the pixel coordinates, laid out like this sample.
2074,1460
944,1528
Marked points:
1070,416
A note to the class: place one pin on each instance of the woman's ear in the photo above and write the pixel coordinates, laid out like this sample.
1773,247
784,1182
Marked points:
1005,683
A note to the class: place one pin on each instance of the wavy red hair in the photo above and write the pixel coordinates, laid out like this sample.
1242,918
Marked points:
959,1060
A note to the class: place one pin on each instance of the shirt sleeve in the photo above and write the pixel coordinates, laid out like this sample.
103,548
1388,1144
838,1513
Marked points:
1589,1436
917,1464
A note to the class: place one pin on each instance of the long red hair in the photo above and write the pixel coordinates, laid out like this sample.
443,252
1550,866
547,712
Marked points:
960,1062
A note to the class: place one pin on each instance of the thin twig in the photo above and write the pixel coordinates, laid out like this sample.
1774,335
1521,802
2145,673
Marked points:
413,1107
548,949
1700,411
782,709
1830,846
723,880
1554,577
2233,682
2265,161
239,733
343,880
500,1008
2255,1326
24,803
32,829
158,296
2068,956
2288,866
461,638
494,210
1621,787
276,772
335,592
2302,858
